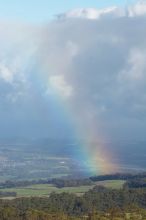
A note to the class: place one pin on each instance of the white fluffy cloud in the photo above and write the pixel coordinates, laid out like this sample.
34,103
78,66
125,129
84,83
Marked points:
92,13
135,10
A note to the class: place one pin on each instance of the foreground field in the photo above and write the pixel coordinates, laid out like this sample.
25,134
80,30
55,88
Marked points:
42,190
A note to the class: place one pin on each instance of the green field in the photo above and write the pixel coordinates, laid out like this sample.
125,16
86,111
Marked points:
46,189
115,184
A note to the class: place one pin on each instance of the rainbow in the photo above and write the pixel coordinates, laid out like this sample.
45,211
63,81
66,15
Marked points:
92,153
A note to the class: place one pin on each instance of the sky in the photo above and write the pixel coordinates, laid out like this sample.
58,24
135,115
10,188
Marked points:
41,10
82,74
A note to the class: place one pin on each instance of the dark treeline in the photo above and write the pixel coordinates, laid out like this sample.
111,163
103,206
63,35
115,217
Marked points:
70,182
135,183
118,176
59,183
23,183
8,194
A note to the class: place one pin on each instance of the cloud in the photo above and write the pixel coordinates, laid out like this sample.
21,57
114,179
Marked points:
91,13
94,65
137,9
59,84
5,73
134,10
136,66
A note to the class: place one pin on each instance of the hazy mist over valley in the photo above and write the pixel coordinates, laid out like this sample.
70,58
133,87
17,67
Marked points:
26,159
